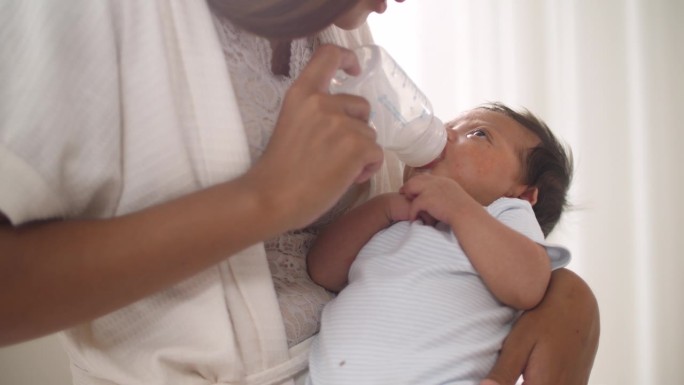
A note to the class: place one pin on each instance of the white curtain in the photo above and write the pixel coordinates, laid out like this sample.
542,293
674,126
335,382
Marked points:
608,77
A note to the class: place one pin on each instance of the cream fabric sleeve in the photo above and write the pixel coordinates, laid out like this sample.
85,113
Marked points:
96,90
109,107
59,110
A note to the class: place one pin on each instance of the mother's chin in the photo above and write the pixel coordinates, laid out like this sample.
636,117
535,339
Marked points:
358,14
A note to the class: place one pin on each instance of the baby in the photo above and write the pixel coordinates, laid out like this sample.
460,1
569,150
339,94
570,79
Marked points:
431,278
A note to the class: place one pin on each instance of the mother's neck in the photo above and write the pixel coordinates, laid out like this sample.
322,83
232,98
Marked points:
280,57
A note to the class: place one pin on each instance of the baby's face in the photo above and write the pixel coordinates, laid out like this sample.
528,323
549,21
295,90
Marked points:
483,154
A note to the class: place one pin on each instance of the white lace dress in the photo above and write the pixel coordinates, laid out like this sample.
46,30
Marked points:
260,94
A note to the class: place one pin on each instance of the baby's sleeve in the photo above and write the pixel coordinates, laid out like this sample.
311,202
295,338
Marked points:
519,215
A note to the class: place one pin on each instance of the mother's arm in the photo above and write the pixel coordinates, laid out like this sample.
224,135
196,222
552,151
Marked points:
554,343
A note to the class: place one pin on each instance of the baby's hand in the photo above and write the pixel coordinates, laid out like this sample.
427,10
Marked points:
434,198
396,207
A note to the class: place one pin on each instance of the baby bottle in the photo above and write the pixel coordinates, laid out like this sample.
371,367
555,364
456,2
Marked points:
400,113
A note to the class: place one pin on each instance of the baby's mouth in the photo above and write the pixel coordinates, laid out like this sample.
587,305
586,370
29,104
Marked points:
428,166
431,165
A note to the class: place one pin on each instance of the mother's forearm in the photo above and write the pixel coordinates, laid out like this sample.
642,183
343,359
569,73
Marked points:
56,274
556,342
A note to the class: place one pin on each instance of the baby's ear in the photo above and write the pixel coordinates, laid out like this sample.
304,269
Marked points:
530,194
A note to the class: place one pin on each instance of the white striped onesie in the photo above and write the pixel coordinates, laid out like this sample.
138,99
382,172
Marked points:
415,311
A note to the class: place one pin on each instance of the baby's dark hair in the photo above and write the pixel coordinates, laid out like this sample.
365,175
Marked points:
548,166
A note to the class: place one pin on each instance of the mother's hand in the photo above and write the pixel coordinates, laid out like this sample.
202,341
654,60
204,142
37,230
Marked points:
321,143
554,343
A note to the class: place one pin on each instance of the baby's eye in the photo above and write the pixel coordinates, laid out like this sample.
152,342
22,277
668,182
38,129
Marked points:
478,133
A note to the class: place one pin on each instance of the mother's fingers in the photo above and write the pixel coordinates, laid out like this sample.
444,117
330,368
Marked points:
355,107
324,64
372,165
324,143
512,360
321,141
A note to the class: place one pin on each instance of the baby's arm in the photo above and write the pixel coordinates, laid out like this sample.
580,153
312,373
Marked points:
515,268
335,249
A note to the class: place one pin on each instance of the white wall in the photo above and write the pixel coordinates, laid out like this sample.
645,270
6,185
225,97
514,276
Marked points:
41,361
607,77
